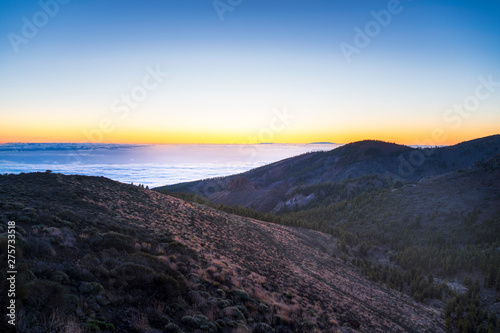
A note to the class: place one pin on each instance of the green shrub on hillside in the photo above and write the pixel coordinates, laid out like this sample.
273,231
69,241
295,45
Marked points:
115,240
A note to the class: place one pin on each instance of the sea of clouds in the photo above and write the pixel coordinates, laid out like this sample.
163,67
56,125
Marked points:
150,165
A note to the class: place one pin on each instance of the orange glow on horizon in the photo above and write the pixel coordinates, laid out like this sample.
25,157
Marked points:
406,137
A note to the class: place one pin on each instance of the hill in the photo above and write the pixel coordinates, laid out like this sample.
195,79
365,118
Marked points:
96,255
444,228
274,186
428,228
461,206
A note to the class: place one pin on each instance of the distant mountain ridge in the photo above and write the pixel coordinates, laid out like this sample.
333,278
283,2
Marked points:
269,187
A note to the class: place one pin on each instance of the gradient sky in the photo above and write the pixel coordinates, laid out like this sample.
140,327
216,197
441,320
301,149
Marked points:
228,79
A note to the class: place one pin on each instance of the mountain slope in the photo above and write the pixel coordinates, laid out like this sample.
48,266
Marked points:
463,206
270,187
96,254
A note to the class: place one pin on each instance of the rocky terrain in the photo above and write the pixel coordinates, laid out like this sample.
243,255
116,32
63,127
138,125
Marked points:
95,255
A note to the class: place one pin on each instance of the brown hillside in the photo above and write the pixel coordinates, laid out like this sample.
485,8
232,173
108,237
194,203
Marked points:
97,253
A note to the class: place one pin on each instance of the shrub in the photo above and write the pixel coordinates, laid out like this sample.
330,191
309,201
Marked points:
263,328
263,308
177,247
78,273
95,325
115,240
222,303
241,295
20,230
35,247
220,293
100,272
134,273
201,322
133,276
28,211
277,320
59,277
234,313
166,286
91,288
172,328
189,321
45,295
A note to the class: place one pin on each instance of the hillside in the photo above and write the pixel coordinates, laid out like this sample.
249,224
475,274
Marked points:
463,206
98,255
434,235
444,228
272,187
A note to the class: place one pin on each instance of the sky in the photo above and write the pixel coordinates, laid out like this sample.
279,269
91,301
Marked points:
249,71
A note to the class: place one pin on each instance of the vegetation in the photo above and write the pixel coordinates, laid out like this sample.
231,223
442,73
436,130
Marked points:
95,255
424,250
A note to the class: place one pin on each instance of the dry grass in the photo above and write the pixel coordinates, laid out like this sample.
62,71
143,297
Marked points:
283,269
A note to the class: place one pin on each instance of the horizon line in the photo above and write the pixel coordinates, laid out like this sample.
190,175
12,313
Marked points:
245,144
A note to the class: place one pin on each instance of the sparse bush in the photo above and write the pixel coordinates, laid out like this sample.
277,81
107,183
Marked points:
177,247
36,247
189,321
263,328
277,320
20,230
114,240
91,288
95,325
241,295
78,274
172,328
59,277
139,277
220,293
45,295
166,286
199,322
263,308
234,313
100,272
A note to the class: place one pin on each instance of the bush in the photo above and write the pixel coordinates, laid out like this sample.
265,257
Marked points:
91,288
35,247
95,325
172,328
176,247
241,295
135,274
263,328
166,286
200,322
45,295
234,313
114,240
139,277
59,277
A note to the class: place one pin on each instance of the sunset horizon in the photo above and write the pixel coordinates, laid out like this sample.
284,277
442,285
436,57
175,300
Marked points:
434,138
250,72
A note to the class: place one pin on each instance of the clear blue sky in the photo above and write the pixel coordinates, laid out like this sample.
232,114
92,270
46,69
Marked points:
226,78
